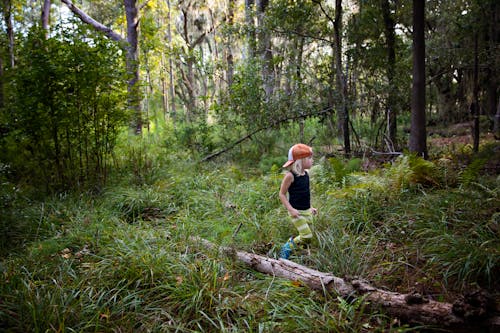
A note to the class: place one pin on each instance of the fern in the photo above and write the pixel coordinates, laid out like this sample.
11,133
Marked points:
472,171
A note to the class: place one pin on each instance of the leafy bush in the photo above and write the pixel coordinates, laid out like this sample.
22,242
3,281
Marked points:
64,109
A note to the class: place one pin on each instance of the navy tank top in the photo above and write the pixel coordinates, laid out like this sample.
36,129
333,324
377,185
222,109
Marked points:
299,193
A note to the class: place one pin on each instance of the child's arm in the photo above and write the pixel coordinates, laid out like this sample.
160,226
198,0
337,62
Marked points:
285,184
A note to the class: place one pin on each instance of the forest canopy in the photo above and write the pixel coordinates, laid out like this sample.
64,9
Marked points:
220,71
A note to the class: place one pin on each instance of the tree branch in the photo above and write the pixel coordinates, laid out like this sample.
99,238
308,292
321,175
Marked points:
97,25
270,125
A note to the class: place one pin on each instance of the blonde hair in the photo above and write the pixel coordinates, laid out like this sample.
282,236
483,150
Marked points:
297,167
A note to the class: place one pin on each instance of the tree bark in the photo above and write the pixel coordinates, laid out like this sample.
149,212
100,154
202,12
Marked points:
7,9
493,63
475,98
249,21
46,17
341,78
173,109
496,122
472,312
132,62
229,53
265,52
418,135
390,42
1,86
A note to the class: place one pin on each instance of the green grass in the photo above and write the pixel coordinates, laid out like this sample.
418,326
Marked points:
122,259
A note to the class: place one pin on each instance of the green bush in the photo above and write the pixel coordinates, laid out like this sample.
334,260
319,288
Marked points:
64,108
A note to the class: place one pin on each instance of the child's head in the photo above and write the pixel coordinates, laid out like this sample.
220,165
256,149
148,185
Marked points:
296,158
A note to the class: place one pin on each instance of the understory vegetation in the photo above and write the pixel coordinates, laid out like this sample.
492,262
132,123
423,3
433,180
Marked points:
121,258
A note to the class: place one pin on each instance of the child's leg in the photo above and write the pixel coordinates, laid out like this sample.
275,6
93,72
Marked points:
301,223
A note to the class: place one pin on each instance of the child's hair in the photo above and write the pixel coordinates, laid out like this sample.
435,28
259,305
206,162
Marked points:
296,167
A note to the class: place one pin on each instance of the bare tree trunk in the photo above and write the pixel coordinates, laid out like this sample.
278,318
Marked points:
493,65
1,84
475,98
411,308
249,20
331,92
418,135
7,7
173,111
163,68
265,52
390,41
496,122
341,79
229,53
46,17
132,62
298,85
164,91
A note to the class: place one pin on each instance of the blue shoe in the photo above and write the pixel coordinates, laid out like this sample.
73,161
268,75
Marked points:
286,250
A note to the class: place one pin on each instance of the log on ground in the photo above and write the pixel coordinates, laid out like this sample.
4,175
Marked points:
470,313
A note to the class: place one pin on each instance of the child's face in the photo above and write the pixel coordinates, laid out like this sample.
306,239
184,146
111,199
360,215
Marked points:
307,162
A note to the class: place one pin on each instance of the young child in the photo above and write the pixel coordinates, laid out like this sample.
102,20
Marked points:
298,202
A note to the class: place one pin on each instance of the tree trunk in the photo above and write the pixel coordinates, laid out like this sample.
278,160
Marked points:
265,52
129,45
493,67
418,135
173,110
1,85
390,41
472,312
475,98
298,86
7,7
132,63
46,17
249,20
496,122
229,53
341,79
331,92
190,86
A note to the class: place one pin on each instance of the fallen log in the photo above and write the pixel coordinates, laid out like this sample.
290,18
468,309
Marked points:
469,314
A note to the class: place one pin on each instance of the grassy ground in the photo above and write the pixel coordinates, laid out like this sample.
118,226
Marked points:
121,260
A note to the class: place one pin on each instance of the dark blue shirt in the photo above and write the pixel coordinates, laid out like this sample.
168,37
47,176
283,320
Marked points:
299,193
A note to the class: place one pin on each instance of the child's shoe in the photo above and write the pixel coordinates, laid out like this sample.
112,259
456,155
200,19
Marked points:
286,250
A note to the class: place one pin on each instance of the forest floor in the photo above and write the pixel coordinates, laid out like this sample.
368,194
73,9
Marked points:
121,259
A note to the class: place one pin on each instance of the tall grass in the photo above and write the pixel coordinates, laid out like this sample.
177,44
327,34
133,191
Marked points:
123,260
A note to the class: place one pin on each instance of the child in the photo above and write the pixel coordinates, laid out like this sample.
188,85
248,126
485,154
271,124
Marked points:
298,203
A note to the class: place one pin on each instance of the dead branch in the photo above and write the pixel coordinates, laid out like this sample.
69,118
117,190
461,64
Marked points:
270,125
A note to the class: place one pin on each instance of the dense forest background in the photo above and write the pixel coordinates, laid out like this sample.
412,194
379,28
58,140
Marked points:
217,72
128,126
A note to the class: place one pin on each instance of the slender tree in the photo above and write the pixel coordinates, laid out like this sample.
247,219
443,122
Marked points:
173,109
130,45
475,98
341,78
46,17
418,136
250,28
390,41
7,16
265,49
231,6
